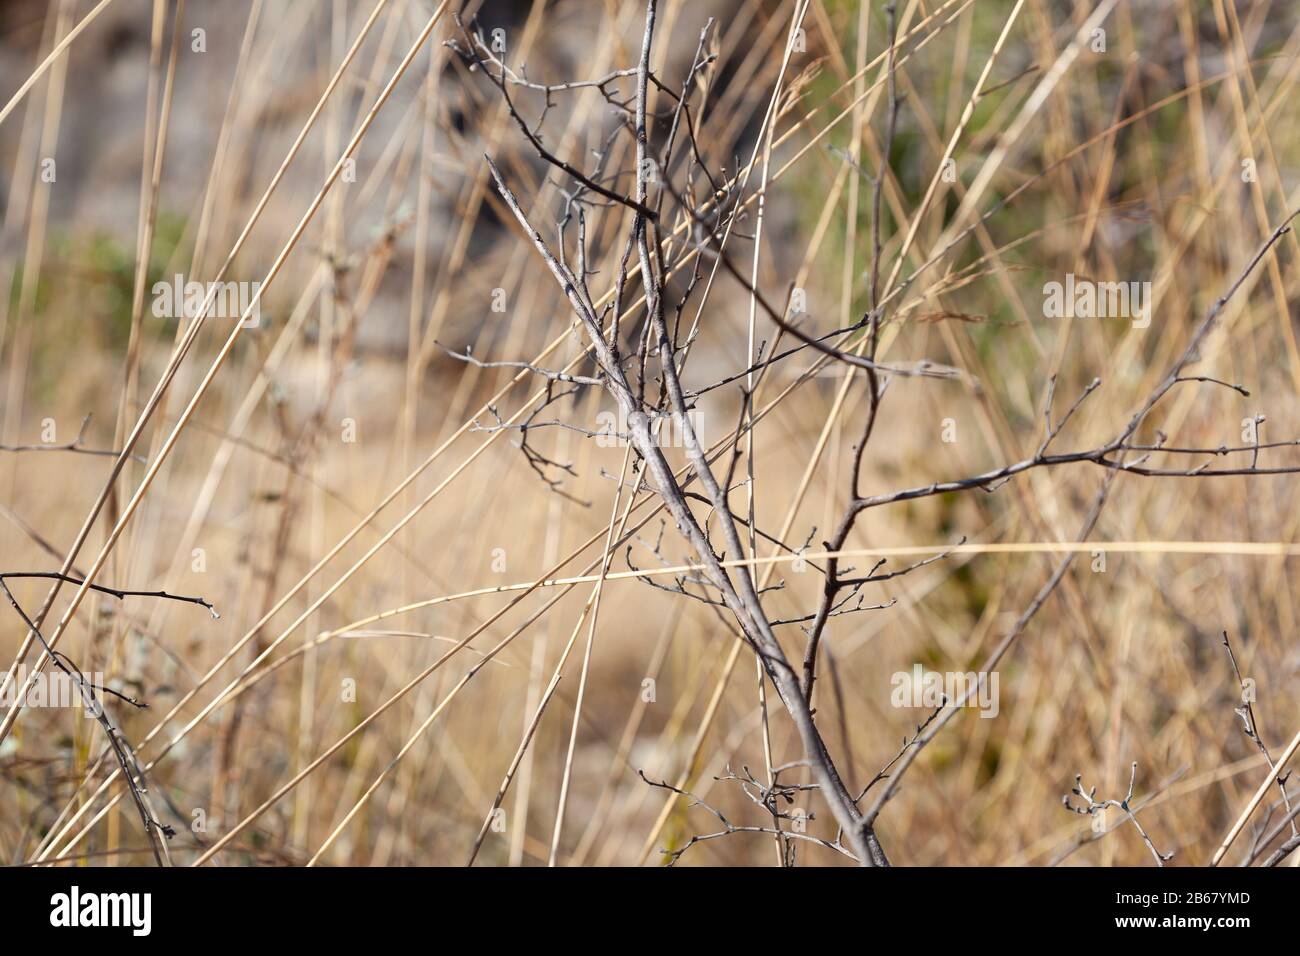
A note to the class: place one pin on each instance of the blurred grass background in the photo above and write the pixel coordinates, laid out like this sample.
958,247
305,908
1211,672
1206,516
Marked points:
1122,665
